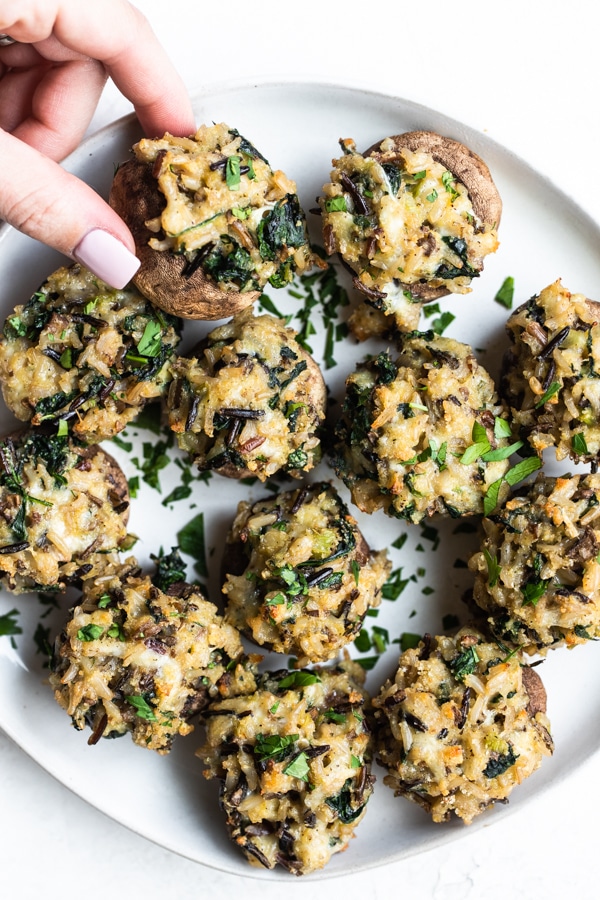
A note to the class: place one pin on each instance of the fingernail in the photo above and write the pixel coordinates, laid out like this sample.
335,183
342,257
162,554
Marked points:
107,258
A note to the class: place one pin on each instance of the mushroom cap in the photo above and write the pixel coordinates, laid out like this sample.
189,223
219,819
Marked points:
135,196
465,165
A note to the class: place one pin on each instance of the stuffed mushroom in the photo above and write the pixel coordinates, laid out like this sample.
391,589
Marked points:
550,374
60,506
293,759
299,575
83,355
143,655
460,725
538,571
422,434
413,218
212,222
250,402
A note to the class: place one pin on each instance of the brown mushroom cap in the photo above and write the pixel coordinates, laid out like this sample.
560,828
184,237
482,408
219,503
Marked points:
115,476
535,690
465,165
135,196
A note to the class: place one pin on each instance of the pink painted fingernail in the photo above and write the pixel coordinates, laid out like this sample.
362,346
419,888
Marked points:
107,258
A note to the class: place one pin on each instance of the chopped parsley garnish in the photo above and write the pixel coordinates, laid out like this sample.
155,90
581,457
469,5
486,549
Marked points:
298,767
191,541
90,632
150,341
548,394
493,568
478,448
409,640
142,709
300,678
336,204
8,623
506,293
232,172
394,586
579,444
274,746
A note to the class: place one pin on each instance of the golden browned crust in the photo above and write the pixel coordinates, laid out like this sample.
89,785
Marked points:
135,196
466,166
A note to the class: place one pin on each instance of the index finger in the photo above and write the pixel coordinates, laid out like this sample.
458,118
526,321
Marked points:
117,34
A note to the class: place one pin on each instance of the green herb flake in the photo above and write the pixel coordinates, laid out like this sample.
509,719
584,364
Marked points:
336,204
191,541
355,762
142,709
506,292
502,428
548,394
273,709
502,452
232,172
63,428
432,197
150,342
493,568
66,358
8,623
522,470
579,444
367,662
274,746
332,716
298,767
439,325
90,633
300,678
490,501
409,640
355,568
394,586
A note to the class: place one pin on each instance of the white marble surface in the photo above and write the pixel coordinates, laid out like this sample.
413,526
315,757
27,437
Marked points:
526,74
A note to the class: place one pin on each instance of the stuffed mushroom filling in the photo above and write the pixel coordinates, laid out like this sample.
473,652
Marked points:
251,402
84,356
401,219
226,210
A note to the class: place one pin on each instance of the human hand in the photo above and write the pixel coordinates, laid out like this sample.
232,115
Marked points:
50,83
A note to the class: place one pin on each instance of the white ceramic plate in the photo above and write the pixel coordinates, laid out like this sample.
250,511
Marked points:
544,236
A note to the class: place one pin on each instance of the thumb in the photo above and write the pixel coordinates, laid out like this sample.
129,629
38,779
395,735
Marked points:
42,200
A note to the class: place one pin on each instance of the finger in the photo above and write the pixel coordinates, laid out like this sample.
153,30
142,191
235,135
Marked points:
17,88
44,201
119,35
62,106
